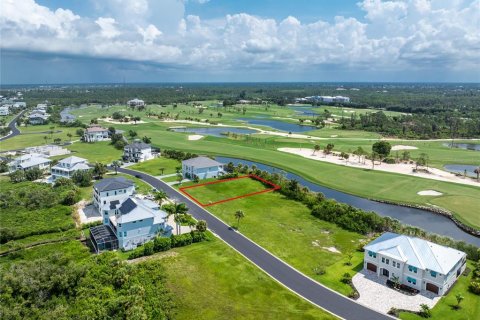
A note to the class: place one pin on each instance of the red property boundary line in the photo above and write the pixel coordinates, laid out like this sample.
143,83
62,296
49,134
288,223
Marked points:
252,176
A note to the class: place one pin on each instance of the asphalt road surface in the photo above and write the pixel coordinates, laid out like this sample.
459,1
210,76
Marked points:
294,280
13,126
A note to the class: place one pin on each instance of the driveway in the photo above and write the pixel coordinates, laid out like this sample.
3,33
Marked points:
283,273
375,294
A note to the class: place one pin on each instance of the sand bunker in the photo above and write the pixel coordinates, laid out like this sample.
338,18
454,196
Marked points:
429,193
195,137
402,147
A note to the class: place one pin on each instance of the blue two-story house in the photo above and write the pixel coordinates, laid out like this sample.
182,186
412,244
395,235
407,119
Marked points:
201,167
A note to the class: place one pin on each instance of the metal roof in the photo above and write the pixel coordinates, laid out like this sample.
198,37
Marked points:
138,145
201,162
134,209
416,252
72,160
113,184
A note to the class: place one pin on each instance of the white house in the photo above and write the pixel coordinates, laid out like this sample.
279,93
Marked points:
29,161
95,133
417,263
66,167
4,111
137,151
37,118
108,193
20,105
128,221
201,167
136,103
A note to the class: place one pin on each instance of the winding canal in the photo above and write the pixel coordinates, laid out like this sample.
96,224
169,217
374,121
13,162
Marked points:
423,219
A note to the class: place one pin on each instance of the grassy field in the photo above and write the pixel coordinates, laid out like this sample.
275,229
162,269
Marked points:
231,287
224,190
101,151
470,306
288,230
155,166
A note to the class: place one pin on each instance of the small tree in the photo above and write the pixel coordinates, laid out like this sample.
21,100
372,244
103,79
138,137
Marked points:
346,278
147,139
17,176
239,215
425,311
33,174
80,132
99,170
159,196
382,148
459,298
349,259
477,171
116,164
69,135
201,226
316,148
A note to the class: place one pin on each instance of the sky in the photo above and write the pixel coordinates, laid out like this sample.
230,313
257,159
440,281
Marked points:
87,41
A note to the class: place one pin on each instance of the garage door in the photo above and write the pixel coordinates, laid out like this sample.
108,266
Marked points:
431,287
371,267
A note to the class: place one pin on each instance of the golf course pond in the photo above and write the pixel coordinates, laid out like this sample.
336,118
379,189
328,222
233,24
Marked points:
214,131
461,169
466,146
279,125
423,219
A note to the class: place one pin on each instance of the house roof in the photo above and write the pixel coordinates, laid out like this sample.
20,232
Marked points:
201,162
138,145
113,184
72,160
134,209
96,129
416,252
33,162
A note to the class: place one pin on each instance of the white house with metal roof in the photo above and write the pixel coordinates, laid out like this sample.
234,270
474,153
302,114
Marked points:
136,103
29,161
95,133
65,168
201,167
109,192
137,151
417,263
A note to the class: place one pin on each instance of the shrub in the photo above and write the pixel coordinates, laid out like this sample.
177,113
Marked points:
71,197
120,144
63,182
320,270
162,244
148,249
389,160
17,176
346,278
425,311
474,287
82,178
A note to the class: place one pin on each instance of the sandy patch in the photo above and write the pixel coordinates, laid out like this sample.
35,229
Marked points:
110,120
195,137
331,249
401,168
429,193
334,136
402,147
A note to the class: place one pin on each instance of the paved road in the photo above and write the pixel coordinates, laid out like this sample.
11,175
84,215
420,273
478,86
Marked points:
13,126
294,280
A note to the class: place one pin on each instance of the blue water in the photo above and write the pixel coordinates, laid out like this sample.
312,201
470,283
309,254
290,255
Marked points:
415,217
305,111
215,131
466,146
279,125
460,168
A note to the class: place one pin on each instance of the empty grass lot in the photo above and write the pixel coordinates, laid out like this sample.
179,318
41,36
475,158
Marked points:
155,166
225,189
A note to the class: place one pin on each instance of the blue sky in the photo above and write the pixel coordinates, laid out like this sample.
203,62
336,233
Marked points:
53,41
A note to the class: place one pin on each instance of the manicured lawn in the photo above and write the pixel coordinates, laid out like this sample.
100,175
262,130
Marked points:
35,136
288,230
212,281
101,151
170,179
155,166
225,190
470,306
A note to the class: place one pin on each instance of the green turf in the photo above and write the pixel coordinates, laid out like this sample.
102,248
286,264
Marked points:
212,281
225,189
155,166
101,151
36,136
288,230
470,306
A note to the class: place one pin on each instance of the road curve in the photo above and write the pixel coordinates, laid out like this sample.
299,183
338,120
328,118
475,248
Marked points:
13,127
291,278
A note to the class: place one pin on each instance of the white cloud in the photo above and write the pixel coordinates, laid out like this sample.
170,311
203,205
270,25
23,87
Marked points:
394,35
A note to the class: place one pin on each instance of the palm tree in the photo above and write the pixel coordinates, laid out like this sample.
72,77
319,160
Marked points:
459,298
176,209
477,171
162,169
69,135
239,215
373,157
116,164
159,196
191,224
316,148
45,138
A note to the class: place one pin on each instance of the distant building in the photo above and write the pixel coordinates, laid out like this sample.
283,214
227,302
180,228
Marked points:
95,133
29,161
20,105
4,110
37,118
136,103
137,152
128,221
65,168
416,263
201,167
328,99
49,150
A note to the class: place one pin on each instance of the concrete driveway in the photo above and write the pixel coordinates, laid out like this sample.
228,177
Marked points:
375,294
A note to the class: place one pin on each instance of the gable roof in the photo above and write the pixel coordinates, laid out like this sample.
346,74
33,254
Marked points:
95,129
201,162
113,184
134,209
416,252
33,162
72,160
138,145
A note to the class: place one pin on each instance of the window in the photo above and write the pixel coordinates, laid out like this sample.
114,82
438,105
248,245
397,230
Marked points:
107,194
388,261
412,269
433,274
383,259
372,254
411,280
125,233
398,264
